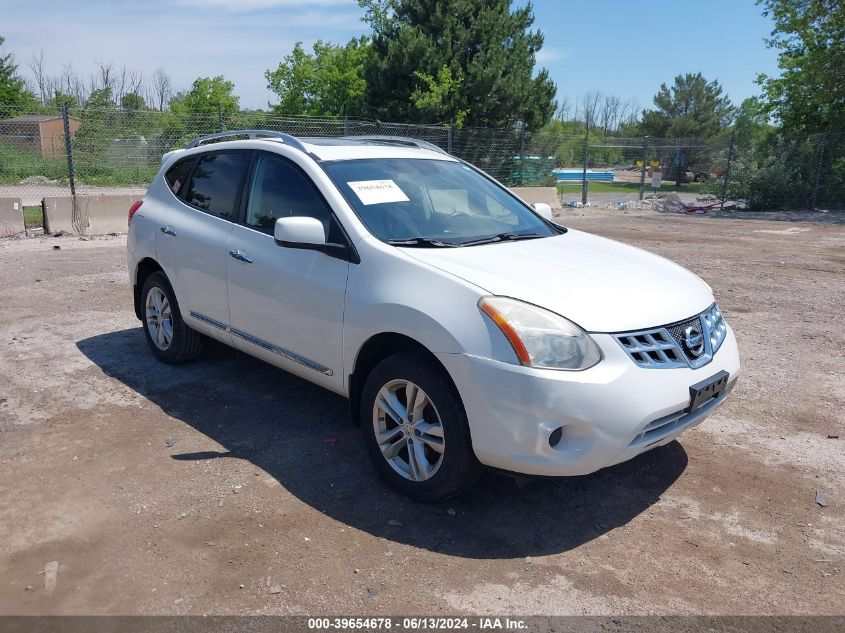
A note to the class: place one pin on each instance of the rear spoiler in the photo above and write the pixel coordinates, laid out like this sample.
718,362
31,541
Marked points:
172,152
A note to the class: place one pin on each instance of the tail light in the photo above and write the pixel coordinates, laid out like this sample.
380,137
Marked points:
133,209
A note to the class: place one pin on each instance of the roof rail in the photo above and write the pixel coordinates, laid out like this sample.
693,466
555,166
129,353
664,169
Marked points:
286,138
399,140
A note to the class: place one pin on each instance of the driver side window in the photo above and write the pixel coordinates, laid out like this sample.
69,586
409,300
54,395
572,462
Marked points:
279,190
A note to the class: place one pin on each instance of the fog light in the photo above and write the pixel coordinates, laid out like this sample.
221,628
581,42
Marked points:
555,437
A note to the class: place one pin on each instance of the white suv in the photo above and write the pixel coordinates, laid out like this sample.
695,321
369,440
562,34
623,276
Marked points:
464,327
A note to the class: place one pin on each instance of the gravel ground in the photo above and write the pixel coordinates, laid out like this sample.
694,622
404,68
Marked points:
229,487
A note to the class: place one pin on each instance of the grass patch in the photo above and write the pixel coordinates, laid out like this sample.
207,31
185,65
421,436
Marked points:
629,187
33,216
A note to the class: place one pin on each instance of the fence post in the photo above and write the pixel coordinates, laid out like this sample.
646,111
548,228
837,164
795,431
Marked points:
727,171
817,176
220,118
449,138
584,185
521,153
642,170
346,125
68,150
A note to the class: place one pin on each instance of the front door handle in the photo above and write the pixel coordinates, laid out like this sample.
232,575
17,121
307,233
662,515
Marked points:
167,230
243,257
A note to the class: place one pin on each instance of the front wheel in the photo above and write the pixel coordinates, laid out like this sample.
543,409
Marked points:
416,430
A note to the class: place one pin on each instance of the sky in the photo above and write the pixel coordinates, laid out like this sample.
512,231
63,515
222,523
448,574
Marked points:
620,47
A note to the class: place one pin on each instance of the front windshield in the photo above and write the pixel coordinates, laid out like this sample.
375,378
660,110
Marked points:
432,203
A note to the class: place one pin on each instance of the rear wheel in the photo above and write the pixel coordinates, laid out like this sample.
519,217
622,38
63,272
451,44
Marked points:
416,430
167,335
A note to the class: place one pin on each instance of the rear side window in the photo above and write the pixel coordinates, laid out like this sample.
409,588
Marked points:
178,173
216,183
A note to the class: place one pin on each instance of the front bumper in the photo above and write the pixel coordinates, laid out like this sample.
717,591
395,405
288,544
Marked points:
608,414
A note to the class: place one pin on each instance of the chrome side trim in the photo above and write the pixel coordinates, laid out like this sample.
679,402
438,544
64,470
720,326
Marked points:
249,338
207,319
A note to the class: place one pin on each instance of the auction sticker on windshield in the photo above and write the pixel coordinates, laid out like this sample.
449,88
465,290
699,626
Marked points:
377,191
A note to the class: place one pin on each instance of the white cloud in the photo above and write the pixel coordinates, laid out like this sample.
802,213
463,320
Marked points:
547,55
246,6
238,45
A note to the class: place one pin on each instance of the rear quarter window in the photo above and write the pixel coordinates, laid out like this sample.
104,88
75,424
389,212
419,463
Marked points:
178,173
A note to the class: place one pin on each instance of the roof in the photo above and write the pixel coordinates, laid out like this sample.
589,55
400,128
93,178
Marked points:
34,118
325,149
329,149
31,118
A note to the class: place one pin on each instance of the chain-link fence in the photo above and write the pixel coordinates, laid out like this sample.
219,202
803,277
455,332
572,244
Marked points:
119,151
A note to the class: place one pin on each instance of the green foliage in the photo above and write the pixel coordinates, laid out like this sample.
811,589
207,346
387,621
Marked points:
61,99
208,96
329,82
132,101
438,99
13,93
693,107
809,95
17,163
98,118
485,44
751,126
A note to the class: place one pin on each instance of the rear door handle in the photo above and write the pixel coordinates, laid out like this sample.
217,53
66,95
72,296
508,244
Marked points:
243,257
168,230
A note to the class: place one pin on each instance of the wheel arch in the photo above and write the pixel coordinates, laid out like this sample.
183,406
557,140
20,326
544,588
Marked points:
144,269
372,352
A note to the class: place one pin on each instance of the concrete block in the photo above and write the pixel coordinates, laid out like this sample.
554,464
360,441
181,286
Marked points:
11,217
98,214
538,194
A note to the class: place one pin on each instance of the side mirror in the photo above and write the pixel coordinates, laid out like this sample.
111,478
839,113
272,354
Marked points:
299,232
543,210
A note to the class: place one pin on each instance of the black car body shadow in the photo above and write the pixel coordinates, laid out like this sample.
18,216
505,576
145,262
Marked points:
302,436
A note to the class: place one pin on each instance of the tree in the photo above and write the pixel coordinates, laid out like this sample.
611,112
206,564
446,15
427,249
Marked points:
693,107
438,100
98,121
162,87
328,82
62,99
132,101
486,43
751,126
809,95
209,96
14,97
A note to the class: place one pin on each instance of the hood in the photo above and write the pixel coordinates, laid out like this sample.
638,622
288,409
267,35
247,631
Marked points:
599,284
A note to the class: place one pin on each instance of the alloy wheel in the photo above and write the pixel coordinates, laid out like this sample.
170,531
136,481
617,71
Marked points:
408,430
159,318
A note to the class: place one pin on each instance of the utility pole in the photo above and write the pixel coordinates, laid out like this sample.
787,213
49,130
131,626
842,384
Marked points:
727,171
584,186
642,169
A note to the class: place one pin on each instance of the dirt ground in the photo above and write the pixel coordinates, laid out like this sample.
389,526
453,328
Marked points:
229,487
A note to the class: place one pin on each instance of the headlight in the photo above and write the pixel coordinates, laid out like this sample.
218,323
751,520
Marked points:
716,326
541,338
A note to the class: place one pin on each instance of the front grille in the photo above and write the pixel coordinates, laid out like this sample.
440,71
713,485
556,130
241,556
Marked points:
652,348
688,343
677,332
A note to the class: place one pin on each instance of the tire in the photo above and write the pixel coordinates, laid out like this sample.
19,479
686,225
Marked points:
183,343
452,470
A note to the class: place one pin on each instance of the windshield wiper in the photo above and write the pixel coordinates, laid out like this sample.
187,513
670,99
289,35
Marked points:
422,242
501,237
